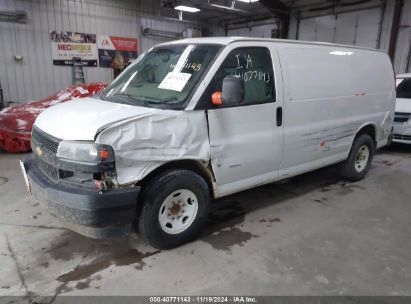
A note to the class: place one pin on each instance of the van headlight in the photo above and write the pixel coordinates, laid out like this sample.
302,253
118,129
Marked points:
85,152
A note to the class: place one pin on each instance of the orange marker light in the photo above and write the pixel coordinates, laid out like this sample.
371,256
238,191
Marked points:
98,183
216,99
104,154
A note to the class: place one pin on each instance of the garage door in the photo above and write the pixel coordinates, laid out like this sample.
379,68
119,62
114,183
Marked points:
356,28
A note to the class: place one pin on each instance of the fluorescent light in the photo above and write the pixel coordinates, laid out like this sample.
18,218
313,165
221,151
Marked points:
247,1
187,9
231,8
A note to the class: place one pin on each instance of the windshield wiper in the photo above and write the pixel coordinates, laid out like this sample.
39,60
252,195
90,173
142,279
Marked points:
147,99
157,101
125,98
170,100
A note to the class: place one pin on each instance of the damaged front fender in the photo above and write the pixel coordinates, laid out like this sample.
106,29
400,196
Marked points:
144,143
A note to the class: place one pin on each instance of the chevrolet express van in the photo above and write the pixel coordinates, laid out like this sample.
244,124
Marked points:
402,116
199,119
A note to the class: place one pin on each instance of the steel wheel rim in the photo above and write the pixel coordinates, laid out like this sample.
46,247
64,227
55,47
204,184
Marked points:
361,159
178,211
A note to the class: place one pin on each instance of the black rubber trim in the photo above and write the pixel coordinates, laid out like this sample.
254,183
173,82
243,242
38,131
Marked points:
96,214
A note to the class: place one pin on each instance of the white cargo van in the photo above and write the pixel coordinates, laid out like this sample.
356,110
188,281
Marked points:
198,119
402,117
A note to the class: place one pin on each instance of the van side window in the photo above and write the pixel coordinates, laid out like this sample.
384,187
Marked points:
254,66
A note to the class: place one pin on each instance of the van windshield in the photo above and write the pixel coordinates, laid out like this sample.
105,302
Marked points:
163,77
404,89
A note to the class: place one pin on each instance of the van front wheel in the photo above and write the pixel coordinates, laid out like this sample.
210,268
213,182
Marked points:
175,207
359,160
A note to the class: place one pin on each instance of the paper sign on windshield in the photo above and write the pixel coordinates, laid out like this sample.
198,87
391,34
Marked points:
174,81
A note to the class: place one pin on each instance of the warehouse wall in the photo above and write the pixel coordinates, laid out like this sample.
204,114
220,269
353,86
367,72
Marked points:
162,25
260,31
368,27
36,77
402,62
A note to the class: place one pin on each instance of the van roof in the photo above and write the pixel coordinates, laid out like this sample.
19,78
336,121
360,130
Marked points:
228,40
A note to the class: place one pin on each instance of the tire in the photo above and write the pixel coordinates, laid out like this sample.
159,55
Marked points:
356,167
176,204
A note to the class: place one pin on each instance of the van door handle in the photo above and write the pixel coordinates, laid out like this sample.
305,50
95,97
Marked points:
279,116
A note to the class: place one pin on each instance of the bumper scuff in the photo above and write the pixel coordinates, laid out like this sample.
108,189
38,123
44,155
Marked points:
87,211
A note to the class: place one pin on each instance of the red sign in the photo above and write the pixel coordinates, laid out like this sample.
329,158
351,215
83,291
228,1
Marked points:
116,52
117,43
124,44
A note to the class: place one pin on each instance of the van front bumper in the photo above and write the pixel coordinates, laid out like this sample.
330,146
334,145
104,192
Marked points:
86,211
402,133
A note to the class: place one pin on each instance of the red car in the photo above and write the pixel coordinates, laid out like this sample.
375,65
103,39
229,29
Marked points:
17,121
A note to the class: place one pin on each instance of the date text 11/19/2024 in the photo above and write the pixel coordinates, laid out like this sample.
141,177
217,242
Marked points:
203,299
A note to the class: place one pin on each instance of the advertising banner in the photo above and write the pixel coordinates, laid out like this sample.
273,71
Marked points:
66,45
116,52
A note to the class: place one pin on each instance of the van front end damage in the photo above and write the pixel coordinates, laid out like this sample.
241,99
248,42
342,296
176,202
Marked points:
77,182
149,141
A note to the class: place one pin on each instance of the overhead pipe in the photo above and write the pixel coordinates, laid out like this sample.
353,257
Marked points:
236,26
245,20
313,5
327,13
337,8
161,34
342,4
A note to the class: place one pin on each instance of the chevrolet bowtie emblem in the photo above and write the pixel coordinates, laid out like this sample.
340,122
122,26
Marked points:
39,151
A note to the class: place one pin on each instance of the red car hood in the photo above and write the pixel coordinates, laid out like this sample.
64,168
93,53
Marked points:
17,121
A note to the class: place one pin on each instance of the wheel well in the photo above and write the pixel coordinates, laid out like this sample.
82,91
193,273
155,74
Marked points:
370,130
194,165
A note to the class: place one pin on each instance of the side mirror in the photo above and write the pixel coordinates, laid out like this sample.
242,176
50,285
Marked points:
232,93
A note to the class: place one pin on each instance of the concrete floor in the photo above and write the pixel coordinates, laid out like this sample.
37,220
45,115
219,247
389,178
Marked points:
310,235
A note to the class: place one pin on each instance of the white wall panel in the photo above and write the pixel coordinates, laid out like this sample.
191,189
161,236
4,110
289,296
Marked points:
325,28
307,30
345,28
368,27
259,31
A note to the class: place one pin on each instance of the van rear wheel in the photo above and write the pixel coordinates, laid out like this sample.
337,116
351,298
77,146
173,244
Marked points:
175,207
359,160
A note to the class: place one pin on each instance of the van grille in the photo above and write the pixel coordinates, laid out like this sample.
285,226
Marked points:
402,137
402,117
44,140
48,169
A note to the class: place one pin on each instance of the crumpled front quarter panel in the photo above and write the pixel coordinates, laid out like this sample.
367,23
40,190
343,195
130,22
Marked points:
144,143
